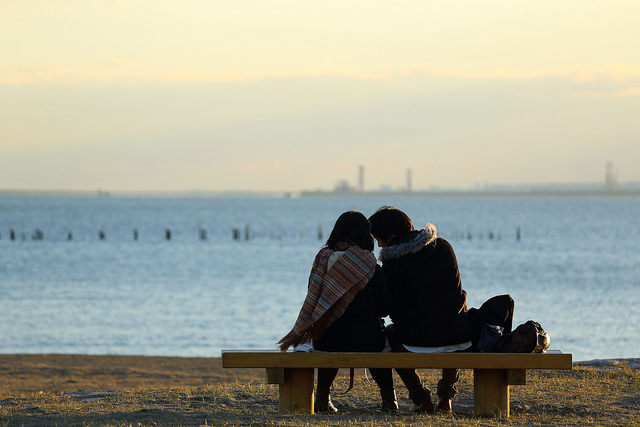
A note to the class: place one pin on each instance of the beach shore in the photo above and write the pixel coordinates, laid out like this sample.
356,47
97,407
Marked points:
32,373
81,390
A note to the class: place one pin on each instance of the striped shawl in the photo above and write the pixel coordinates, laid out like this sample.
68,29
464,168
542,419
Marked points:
330,292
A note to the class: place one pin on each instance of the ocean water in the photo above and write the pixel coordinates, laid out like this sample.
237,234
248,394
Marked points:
570,263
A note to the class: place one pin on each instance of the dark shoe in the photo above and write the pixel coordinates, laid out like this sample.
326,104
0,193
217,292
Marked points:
444,405
323,403
389,401
424,407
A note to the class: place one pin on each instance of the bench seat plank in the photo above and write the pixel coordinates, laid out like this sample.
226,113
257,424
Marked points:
277,359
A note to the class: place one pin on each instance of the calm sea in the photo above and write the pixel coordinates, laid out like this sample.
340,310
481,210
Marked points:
193,276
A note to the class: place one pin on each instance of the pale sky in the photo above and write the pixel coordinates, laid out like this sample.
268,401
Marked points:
152,95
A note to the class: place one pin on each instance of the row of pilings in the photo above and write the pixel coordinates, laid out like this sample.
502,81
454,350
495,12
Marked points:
247,234
236,233
38,234
491,235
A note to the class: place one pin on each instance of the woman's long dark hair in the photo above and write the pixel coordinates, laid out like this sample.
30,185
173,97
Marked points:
351,227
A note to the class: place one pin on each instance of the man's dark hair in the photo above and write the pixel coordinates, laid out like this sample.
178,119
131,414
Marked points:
390,222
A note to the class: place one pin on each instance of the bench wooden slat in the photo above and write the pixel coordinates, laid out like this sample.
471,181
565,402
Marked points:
277,359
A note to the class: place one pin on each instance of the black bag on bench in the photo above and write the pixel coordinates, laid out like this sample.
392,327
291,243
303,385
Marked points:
496,311
526,338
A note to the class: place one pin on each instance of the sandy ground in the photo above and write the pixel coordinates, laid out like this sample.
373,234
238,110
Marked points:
32,373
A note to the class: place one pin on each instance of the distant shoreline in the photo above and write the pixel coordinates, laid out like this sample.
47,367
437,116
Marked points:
480,193
630,191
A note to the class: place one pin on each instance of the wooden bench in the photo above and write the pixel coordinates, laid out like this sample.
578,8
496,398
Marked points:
493,373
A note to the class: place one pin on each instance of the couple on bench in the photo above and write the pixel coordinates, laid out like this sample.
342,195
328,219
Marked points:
418,286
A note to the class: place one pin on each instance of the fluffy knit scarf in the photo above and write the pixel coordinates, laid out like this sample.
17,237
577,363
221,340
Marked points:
330,292
418,241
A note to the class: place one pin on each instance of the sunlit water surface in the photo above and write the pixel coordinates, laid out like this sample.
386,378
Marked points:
575,268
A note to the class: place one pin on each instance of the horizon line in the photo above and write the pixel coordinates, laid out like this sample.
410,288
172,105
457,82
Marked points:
577,188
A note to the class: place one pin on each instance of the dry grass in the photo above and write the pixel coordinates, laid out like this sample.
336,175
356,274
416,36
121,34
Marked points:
586,396
31,373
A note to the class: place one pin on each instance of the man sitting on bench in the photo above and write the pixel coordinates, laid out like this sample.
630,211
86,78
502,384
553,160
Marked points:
429,305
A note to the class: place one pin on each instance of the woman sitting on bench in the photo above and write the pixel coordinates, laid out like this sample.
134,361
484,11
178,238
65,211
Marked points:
346,299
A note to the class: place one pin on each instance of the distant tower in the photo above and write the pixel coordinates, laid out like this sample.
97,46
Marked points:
408,180
361,180
610,179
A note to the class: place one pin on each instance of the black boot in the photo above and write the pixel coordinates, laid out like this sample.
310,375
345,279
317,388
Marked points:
323,402
389,401
444,405
425,407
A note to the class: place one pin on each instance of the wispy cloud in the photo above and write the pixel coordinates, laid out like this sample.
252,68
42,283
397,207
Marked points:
631,92
117,71
264,166
111,72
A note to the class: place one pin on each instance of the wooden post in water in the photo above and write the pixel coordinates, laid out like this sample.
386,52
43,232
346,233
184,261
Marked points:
167,234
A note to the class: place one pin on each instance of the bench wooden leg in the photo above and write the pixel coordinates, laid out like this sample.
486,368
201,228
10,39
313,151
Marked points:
490,392
296,391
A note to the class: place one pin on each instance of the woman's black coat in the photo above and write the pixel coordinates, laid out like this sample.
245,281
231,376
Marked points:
360,328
